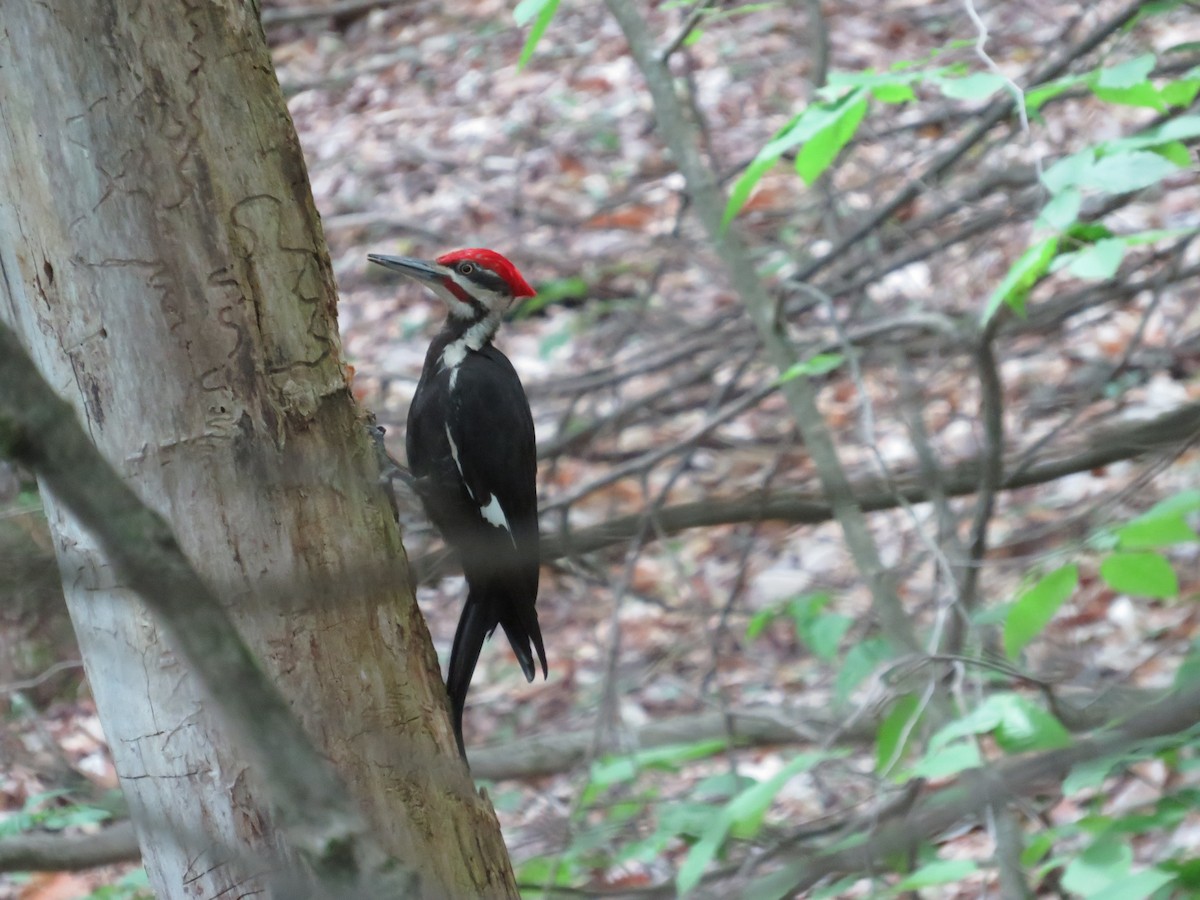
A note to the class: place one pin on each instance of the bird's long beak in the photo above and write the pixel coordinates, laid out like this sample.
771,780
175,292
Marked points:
419,269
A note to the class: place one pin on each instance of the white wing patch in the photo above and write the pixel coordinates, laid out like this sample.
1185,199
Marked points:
457,464
492,511
493,514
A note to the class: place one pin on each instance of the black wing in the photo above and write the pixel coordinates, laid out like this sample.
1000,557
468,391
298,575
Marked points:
496,449
473,450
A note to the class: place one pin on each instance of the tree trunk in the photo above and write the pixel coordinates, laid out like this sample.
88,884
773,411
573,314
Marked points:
164,264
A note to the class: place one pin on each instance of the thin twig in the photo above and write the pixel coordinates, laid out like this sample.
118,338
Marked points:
799,393
991,477
995,113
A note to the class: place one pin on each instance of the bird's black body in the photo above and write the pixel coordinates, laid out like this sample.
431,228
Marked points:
487,417
473,456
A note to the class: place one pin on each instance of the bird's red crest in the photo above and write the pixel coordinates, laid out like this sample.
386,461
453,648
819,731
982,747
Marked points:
490,259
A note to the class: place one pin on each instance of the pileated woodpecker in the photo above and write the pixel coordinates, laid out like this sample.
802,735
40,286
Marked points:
471,451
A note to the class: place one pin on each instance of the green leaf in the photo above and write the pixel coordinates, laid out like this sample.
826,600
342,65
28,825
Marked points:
1036,849
820,364
802,127
745,810
1180,93
541,12
1144,95
1103,257
744,186
895,733
821,632
1062,210
939,871
861,660
1021,277
1185,503
759,622
983,719
1135,885
1180,128
1100,261
1159,531
1088,232
1176,152
1038,96
950,760
893,92
551,292
1089,774
976,86
1142,574
1036,607
1068,171
1127,74
1025,726
1104,862
1124,172
819,152
824,635
1167,812
1155,8
611,770
1162,525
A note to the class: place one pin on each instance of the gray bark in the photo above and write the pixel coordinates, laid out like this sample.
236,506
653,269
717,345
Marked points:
163,264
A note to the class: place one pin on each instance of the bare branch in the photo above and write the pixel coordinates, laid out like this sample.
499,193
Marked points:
995,113
60,853
1169,432
991,476
298,14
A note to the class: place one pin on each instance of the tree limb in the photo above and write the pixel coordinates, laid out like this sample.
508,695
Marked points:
1100,447
69,852
759,725
295,15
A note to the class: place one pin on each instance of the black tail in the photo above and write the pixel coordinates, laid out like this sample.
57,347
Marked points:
474,626
484,610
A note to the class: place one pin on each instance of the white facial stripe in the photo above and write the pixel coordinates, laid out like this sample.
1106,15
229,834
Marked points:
493,301
457,308
493,514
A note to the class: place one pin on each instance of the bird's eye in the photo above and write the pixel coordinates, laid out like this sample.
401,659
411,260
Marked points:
465,268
